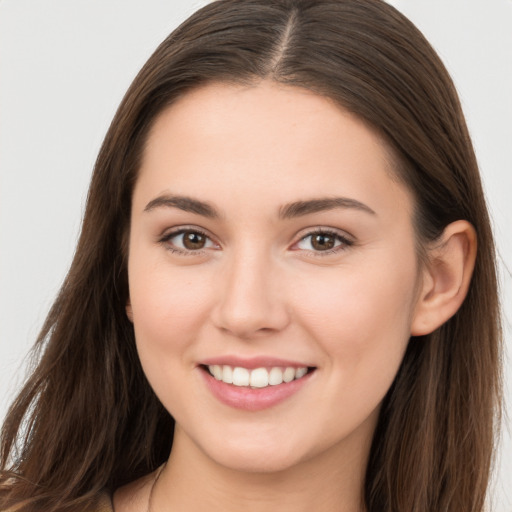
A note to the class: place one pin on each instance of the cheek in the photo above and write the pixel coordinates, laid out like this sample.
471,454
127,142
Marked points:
362,327
168,314
361,317
167,306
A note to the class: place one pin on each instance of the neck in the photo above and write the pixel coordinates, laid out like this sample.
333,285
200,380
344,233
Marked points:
330,481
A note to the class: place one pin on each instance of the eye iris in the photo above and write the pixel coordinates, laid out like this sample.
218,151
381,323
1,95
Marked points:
193,240
322,242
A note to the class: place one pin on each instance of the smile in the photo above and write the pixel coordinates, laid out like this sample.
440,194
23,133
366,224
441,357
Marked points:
253,386
258,377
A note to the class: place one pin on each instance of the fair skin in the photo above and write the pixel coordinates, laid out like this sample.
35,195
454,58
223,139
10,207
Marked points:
234,261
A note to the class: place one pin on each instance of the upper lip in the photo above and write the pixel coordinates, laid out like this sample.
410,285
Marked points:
252,362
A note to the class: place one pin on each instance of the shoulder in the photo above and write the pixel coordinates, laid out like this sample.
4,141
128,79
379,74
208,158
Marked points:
134,496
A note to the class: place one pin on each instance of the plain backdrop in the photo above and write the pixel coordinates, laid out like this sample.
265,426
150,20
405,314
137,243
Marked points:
64,66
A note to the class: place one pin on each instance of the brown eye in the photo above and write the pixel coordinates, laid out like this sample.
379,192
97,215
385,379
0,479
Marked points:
188,240
193,240
322,241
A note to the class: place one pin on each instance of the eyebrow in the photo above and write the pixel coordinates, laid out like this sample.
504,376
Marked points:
184,203
301,208
288,211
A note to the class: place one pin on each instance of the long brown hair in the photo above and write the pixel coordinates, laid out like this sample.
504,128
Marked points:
87,418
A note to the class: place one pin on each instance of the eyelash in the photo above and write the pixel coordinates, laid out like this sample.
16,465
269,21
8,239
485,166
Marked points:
345,242
177,250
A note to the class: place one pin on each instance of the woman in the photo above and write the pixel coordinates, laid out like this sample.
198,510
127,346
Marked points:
277,298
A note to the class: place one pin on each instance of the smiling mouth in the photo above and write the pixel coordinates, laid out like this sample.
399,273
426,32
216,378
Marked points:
256,378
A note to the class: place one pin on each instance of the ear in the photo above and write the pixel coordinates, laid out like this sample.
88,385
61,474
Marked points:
129,310
446,277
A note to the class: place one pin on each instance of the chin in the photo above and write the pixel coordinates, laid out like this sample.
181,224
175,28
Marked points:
255,460
260,452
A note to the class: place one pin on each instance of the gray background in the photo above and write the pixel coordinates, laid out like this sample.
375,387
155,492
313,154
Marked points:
64,66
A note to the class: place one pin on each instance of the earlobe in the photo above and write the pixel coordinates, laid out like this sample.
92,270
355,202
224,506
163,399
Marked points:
129,311
446,277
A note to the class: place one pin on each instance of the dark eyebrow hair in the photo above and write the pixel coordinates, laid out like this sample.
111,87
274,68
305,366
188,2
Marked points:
288,211
299,208
184,203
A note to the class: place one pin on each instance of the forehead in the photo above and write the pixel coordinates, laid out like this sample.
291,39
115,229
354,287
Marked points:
274,141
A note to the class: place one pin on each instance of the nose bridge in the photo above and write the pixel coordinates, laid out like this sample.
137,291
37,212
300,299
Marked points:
251,300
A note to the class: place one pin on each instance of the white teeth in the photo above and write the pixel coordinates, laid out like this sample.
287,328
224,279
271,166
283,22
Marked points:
257,378
275,376
217,371
227,374
240,376
300,372
289,374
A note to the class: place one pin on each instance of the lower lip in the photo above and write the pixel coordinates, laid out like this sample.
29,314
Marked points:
253,399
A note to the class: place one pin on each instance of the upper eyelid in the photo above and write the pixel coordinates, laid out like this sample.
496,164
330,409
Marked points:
170,232
303,233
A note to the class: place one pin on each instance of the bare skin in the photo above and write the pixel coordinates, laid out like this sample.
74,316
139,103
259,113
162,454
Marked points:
275,273
257,492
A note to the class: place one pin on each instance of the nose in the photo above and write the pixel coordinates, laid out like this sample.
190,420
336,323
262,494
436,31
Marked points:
251,299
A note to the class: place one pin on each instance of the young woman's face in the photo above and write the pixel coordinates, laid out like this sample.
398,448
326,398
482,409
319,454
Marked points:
268,238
